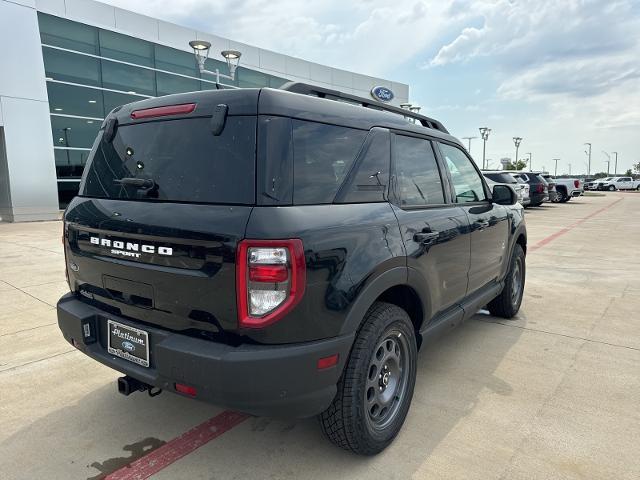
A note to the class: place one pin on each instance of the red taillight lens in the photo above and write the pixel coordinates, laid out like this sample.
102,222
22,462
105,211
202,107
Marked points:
576,183
268,273
270,280
540,188
163,111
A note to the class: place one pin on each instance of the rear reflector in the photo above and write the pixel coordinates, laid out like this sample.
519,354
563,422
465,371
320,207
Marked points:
163,111
186,389
328,362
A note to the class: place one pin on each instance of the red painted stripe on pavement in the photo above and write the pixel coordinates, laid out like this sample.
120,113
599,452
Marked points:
177,448
561,232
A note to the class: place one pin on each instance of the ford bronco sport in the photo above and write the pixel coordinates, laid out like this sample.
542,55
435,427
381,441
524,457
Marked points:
283,253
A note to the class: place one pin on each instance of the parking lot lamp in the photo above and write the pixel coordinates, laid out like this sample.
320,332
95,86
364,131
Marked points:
569,169
529,153
615,168
517,141
608,162
589,155
484,133
469,140
555,173
201,51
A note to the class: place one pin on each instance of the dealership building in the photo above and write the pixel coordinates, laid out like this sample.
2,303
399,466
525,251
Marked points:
64,64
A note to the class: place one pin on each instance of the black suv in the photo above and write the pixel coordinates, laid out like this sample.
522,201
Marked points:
283,254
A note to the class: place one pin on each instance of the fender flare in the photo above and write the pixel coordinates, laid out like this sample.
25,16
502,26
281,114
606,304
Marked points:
376,287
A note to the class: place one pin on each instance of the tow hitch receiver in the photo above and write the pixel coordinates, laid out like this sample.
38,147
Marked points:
127,385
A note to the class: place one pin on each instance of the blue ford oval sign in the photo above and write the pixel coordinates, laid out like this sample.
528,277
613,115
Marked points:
383,94
128,346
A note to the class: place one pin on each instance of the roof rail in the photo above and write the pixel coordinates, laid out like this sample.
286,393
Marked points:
312,90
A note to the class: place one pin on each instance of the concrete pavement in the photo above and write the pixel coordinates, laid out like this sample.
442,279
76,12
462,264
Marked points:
552,394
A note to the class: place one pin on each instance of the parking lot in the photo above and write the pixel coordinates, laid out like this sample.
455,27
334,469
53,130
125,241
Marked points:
554,393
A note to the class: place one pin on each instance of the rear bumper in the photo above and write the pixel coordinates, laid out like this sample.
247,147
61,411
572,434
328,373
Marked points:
276,380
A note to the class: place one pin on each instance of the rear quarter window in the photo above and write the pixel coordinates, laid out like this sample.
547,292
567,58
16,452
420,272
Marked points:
323,155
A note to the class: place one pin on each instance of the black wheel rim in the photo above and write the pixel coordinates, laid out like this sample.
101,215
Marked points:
387,379
516,282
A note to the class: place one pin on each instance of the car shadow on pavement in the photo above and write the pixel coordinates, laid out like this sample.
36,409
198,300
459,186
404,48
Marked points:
104,431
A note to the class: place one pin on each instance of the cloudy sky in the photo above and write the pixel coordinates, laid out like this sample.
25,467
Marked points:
557,72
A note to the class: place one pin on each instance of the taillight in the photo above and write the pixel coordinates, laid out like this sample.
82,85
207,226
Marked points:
576,183
270,280
540,188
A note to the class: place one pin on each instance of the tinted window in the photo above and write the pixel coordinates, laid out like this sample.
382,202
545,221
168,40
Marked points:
323,155
369,181
417,174
182,159
467,183
501,177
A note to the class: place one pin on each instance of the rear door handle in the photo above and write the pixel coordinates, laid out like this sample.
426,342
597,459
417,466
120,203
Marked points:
426,238
482,224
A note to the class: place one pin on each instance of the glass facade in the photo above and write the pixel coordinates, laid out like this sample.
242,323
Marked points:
90,71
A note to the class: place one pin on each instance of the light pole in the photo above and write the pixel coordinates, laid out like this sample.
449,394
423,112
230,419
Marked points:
589,155
555,173
484,132
201,51
569,169
469,139
608,162
615,169
529,153
517,141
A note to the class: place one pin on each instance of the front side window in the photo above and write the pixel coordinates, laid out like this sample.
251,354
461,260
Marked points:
417,175
466,180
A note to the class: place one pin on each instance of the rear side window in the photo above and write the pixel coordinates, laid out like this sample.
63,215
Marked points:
176,160
371,177
466,180
417,174
323,155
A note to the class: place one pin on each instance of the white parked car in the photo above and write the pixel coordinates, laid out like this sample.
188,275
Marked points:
620,183
568,188
499,176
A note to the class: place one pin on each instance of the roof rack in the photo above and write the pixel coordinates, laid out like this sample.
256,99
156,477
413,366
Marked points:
313,90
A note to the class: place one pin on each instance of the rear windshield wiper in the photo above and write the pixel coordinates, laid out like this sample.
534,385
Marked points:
145,183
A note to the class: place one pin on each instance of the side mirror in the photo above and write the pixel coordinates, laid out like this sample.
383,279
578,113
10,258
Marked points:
504,195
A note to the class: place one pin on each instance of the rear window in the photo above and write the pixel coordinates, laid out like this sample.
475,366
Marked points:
323,155
501,177
176,160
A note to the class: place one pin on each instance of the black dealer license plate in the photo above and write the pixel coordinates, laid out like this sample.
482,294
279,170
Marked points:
129,343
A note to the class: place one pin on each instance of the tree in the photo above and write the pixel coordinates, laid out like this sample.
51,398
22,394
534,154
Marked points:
628,173
636,167
519,165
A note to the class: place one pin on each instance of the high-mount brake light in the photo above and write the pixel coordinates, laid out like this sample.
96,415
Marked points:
163,111
270,280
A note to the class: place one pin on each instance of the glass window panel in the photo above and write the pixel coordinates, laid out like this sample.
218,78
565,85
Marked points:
168,84
125,48
177,61
277,82
323,155
251,79
71,67
113,100
66,34
67,189
72,100
417,173
74,132
70,163
466,180
212,65
127,78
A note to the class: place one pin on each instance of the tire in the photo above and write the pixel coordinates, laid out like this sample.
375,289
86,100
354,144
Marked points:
536,204
612,188
507,304
383,357
638,188
564,197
